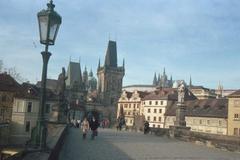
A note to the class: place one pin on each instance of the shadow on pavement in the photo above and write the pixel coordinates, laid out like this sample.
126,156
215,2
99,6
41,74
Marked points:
75,148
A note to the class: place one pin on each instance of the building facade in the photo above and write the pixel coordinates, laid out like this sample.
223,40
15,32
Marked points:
234,114
206,115
130,103
202,93
110,77
140,87
156,103
8,89
25,112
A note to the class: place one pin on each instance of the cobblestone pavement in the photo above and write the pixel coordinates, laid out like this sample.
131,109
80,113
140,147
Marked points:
113,145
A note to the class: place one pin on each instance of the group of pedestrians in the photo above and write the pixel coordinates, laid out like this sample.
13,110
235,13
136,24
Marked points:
92,125
75,123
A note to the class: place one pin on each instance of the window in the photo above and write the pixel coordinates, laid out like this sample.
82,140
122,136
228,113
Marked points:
149,110
220,123
137,105
1,112
154,118
235,131
160,110
153,125
161,102
236,116
129,105
236,103
155,110
4,98
27,129
200,121
159,119
148,118
134,105
150,102
208,122
158,126
47,108
29,107
125,105
156,102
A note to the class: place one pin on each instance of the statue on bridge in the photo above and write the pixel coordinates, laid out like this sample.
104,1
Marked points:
181,92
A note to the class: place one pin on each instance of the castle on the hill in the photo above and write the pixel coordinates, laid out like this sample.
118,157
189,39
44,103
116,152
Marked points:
162,80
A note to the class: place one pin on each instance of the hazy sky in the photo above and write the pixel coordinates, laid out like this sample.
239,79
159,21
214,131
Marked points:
188,37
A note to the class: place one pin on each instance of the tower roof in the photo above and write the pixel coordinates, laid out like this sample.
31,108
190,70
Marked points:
111,54
74,74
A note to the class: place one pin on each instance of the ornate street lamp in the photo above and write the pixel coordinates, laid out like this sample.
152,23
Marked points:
49,22
134,118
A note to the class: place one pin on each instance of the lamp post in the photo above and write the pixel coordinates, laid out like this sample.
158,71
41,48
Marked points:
49,22
134,118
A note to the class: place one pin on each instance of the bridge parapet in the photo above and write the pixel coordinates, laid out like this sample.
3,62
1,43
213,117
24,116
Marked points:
230,143
55,139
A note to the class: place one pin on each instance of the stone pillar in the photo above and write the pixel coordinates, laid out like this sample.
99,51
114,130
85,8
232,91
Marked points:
180,115
179,127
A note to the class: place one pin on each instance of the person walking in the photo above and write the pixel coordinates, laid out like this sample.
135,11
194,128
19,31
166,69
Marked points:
85,127
94,124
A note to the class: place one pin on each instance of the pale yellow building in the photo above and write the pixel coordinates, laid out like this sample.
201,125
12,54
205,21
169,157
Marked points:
206,115
202,93
131,104
234,114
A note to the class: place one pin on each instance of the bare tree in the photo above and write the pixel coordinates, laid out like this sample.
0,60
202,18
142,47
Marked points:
1,66
17,76
12,72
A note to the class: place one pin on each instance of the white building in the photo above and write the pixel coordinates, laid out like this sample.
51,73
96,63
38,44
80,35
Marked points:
156,103
139,87
25,112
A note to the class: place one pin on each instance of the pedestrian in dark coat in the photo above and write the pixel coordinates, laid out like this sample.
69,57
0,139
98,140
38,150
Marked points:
94,124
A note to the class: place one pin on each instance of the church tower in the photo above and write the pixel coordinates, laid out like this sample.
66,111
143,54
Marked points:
110,77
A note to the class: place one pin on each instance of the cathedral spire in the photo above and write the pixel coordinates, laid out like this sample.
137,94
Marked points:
99,64
164,73
190,81
159,78
123,63
111,54
155,79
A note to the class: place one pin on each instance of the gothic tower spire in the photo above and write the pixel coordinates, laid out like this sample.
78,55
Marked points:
190,81
111,54
155,79
99,64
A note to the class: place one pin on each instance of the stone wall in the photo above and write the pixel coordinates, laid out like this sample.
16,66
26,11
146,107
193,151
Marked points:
4,134
55,139
230,143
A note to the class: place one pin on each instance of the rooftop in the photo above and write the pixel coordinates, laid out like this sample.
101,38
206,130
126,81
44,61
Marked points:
216,108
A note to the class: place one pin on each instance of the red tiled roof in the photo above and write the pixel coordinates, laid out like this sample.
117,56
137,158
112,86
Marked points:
235,94
168,94
7,83
31,91
202,108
